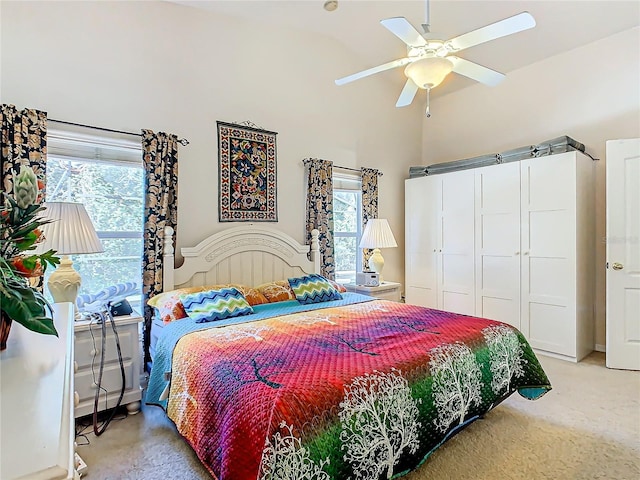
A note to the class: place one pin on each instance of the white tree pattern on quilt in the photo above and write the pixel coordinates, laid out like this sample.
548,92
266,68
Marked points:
457,383
379,422
506,356
182,403
285,458
231,334
306,319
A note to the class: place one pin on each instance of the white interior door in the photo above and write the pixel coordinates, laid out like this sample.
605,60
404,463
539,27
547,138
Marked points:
623,254
498,243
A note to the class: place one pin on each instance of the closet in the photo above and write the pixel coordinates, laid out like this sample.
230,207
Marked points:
512,242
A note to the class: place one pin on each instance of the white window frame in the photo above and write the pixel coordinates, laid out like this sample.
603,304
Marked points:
351,184
64,145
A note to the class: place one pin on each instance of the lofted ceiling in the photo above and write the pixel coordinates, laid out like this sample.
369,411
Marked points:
560,26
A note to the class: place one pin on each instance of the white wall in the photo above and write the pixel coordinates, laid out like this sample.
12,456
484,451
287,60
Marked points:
591,94
133,65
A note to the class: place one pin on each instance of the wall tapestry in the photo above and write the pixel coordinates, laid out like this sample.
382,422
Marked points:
247,166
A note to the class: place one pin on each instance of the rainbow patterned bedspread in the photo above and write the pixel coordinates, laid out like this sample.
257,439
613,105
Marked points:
366,391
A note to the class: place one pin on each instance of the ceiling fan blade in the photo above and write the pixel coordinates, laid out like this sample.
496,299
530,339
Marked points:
476,71
380,68
402,29
515,24
408,93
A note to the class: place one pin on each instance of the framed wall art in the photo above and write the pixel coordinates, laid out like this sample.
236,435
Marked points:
247,170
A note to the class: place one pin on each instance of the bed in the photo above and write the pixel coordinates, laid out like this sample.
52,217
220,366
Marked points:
342,386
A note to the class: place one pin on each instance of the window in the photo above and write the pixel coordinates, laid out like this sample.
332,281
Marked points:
347,227
106,175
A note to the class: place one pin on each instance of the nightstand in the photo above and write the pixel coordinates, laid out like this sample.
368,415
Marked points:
88,342
384,291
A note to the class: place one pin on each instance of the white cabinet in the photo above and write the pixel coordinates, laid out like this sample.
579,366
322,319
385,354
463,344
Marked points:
439,242
530,246
36,393
88,345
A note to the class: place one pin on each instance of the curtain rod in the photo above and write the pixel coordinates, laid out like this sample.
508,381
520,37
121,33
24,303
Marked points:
355,169
346,168
183,141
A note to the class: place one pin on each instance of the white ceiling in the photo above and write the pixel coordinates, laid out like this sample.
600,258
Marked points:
560,26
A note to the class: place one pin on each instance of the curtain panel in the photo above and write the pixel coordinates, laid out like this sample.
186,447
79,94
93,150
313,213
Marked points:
160,161
319,209
24,141
369,204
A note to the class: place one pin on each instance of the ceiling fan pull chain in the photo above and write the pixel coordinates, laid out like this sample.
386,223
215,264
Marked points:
428,102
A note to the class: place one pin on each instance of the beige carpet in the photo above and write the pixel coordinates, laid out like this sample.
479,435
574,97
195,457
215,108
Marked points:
587,427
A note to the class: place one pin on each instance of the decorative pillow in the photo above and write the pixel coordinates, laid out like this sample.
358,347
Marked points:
215,305
252,295
278,291
313,289
169,307
338,286
168,304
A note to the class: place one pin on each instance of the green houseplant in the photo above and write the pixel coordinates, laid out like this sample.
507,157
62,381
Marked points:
19,234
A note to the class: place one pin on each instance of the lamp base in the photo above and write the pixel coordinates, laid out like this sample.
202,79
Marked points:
376,263
64,283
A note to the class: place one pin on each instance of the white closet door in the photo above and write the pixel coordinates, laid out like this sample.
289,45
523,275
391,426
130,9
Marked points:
422,206
456,265
498,243
548,199
623,254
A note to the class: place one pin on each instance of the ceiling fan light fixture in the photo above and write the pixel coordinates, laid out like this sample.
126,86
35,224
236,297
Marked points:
429,72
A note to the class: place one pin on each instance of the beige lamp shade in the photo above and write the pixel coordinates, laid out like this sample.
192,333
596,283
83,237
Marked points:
70,231
429,72
377,234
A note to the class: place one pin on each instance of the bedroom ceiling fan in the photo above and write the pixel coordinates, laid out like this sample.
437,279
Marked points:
429,61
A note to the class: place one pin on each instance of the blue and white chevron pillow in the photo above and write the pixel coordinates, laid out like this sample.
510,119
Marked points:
313,288
215,305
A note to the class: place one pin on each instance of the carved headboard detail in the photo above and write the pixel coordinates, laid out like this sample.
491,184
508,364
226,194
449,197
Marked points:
249,255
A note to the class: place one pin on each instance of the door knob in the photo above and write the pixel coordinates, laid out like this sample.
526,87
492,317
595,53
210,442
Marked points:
617,266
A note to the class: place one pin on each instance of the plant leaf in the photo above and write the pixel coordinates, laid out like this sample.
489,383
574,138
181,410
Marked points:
27,307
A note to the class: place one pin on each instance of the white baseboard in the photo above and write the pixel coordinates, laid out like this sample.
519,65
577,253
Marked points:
601,348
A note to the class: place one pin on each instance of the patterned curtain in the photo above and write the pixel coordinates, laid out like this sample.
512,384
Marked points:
160,160
320,209
24,140
369,204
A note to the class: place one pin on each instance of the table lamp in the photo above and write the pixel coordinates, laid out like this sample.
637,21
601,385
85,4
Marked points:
69,233
377,234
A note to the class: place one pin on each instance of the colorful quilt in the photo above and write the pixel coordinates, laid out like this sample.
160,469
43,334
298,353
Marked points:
366,390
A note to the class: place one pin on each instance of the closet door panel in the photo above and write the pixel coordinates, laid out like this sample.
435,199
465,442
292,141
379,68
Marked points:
548,314
497,200
421,240
456,252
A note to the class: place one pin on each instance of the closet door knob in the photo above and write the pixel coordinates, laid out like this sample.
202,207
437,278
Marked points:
617,266
517,253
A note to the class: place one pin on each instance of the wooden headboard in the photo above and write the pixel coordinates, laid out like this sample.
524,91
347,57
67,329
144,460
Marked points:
249,255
